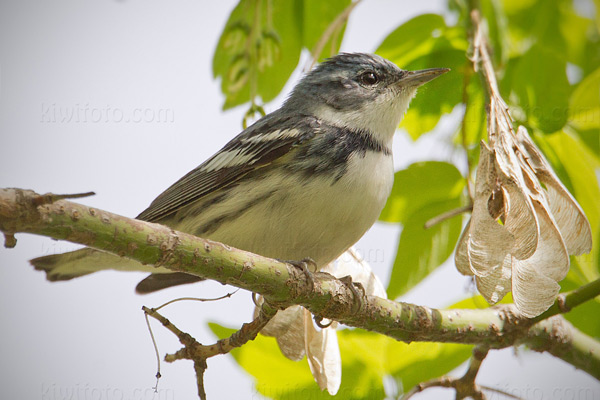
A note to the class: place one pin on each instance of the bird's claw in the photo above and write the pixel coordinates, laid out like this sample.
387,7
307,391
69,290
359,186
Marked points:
318,322
303,265
347,280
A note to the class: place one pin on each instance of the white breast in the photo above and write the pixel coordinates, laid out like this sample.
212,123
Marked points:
316,219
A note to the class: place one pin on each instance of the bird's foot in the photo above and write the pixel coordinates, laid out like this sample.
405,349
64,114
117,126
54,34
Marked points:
347,280
304,266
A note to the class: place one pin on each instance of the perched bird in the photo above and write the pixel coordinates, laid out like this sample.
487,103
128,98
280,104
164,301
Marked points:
306,181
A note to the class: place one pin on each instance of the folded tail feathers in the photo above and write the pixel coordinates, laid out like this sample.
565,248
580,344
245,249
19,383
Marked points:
66,266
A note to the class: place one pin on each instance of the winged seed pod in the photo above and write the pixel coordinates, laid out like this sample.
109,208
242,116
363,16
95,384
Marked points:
297,336
524,225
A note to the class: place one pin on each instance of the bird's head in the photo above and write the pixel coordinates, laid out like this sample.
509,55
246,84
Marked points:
360,91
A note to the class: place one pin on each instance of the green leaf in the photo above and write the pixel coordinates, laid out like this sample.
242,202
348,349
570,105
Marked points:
276,376
438,97
584,104
421,184
430,360
540,88
421,250
426,42
413,39
318,15
287,25
378,356
280,378
581,166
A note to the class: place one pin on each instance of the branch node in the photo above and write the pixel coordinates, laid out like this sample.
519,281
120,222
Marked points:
50,198
561,301
10,241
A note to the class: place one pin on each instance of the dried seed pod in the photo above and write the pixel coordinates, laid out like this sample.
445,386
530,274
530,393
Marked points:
524,225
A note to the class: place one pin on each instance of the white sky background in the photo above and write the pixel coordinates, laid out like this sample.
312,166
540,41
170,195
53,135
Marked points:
89,336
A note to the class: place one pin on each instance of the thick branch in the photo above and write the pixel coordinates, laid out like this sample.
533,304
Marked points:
561,339
279,283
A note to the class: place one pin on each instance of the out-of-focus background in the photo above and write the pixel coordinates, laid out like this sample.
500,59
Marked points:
118,97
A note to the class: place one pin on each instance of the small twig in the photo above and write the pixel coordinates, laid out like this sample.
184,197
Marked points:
565,302
10,241
158,375
49,198
464,386
499,119
193,349
331,29
225,296
447,215
502,392
183,337
200,367
444,382
166,321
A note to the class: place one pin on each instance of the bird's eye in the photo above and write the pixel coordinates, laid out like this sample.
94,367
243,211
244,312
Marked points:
369,78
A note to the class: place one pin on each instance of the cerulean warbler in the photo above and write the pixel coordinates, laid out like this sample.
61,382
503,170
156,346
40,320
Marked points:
305,181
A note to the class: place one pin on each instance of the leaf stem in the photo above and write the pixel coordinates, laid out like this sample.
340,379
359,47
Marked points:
447,215
336,24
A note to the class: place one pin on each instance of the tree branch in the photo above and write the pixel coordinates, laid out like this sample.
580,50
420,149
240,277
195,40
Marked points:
567,301
198,353
283,284
560,338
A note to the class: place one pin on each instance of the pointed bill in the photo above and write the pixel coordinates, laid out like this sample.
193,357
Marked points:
421,77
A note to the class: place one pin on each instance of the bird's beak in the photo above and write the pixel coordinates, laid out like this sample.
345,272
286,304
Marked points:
418,78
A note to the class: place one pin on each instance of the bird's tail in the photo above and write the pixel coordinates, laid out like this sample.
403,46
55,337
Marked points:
65,266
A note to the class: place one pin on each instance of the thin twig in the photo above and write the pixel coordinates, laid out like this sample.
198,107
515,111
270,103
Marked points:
198,353
194,350
502,392
200,368
444,382
499,119
225,296
158,375
51,197
464,386
447,215
331,29
565,302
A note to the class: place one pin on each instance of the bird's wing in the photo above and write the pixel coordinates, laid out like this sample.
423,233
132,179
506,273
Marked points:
256,147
